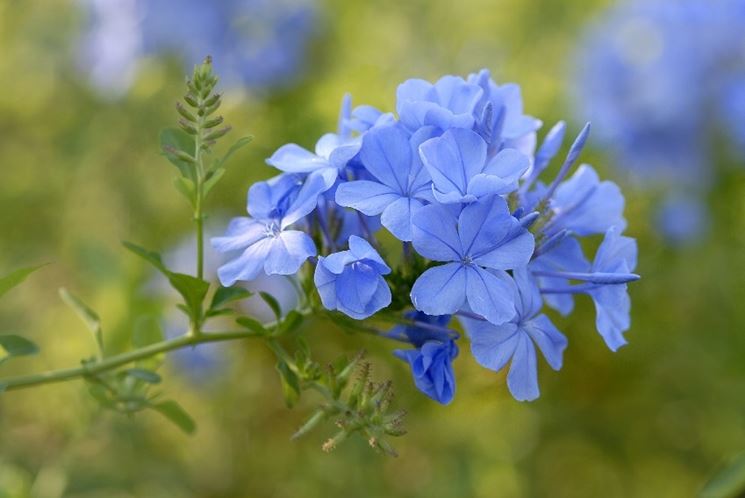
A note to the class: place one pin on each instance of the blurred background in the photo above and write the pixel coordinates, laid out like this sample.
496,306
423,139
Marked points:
86,87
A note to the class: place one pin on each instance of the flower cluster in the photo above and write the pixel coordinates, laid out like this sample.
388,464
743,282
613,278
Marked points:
257,43
454,176
661,80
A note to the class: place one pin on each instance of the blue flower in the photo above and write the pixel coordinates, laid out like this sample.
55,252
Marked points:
682,219
457,162
264,238
504,125
400,184
352,281
433,354
585,206
478,243
449,103
616,255
565,256
515,341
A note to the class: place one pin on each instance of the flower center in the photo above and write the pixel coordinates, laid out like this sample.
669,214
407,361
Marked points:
272,229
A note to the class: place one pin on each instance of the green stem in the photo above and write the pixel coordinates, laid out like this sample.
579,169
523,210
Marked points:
198,215
112,362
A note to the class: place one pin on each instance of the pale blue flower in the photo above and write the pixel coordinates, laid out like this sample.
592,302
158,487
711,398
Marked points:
448,103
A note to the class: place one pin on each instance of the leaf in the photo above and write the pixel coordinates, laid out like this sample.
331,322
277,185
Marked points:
150,256
292,321
240,143
225,295
186,187
87,315
252,324
193,290
174,139
15,278
176,414
272,303
290,384
144,374
212,180
728,482
14,345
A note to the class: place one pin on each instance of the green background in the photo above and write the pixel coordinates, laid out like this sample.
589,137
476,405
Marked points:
80,173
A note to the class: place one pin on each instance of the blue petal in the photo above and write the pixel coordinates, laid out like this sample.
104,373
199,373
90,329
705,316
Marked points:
550,341
435,234
247,266
523,376
566,256
292,158
489,295
370,198
398,215
457,95
530,296
288,251
453,159
336,262
241,233
612,307
355,287
616,253
386,154
307,198
493,345
440,290
326,284
501,174
362,250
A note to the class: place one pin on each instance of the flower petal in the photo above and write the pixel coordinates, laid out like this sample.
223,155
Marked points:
489,295
523,377
434,234
370,198
440,290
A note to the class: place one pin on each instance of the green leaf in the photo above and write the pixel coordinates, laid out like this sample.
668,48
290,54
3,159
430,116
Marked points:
150,256
15,278
143,374
292,321
101,394
240,143
174,139
212,180
186,187
147,331
193,290
225,295
252,324
290,384
729,482
272,303
87,315
14,345
176,414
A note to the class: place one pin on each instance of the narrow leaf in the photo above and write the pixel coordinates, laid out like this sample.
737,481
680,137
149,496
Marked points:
172,140
290,384
150,256
176,414
212,180
86,314
272,303
192,289
252,324
729,482
292,321
144,374
15,278
240,143
14,345
225,295
186,187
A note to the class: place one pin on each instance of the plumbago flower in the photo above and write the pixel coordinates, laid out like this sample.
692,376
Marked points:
454,176
628,70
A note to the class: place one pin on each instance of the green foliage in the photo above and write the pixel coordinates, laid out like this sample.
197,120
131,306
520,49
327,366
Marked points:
729,482
226,295
176,414
87,315
12,345
16,278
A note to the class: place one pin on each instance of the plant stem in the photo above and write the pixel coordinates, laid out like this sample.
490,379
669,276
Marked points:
198,215
112,362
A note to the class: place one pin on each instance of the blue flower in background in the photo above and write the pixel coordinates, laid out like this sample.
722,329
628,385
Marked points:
457,162
475,245
661,81
264,238
400,184
515,341
255,43
351,281
681,218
